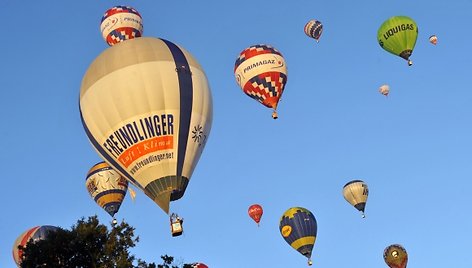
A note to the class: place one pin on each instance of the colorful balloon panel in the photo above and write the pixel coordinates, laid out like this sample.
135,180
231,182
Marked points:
255,212
314,29
121,23
398,35
261,72
106,186
298,227
395,256
35,234
146,107
356,193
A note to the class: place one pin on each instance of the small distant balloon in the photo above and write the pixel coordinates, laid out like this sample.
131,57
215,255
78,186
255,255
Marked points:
199,265
121,23
255,212
356,192
314,29
384,90
34,234
433,39
395,256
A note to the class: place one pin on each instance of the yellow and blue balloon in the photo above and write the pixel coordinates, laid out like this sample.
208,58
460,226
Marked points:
299,228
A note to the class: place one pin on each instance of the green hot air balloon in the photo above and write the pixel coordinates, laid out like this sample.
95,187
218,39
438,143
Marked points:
298,227
397,35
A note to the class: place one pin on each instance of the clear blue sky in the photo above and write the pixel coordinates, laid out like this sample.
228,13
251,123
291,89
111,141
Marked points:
412,148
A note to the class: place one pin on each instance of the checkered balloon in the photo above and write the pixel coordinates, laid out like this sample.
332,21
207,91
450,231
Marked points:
121,23
261,72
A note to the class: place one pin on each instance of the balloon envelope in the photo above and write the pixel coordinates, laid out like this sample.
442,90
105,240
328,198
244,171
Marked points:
384,90
395,256
261,72
146,107
356,192
298,227
314,29
35,234
255,212
121,23
398,35
433,39
199,265
107,187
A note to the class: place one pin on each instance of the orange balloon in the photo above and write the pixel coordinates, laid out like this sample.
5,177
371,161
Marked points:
255,212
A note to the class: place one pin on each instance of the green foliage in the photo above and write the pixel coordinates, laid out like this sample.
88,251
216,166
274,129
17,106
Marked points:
88,244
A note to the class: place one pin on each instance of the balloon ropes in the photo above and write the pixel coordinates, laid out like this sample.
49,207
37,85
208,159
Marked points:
146,107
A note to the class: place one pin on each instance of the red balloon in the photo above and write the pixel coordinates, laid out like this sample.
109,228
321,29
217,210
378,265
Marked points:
199,265
255,212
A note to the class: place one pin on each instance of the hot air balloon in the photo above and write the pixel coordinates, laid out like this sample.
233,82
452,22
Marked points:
314,29
107,187
198,265
384,90
433,39
121,23
261,72
356,192
395,256
298,227
35,234
146,107
255,212
397,35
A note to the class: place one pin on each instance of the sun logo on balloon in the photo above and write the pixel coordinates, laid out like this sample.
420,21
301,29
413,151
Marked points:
198,135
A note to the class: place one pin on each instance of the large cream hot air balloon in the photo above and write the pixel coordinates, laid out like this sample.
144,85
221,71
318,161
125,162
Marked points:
146,107
356,192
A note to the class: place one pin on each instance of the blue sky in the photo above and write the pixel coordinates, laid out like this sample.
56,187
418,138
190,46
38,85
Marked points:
412,148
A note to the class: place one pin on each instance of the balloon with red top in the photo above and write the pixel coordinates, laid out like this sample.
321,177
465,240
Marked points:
255,212
121,23
261,72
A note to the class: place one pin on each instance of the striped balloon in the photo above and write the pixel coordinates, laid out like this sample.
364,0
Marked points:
261,72
298,227
121,23
146,107
314,29
107,187
35,234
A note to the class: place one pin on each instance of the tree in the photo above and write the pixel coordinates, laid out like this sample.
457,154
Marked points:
88,244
